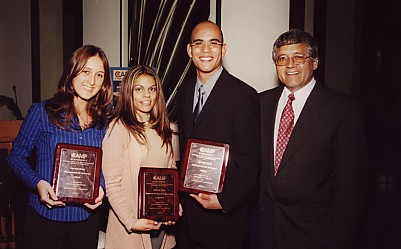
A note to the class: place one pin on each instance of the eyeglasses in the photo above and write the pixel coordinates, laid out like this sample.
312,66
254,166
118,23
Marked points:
285,60
201,44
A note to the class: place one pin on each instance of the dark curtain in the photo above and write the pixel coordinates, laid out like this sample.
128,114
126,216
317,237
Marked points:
159,31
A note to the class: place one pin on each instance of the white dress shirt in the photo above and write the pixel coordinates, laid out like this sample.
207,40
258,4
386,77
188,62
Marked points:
298,104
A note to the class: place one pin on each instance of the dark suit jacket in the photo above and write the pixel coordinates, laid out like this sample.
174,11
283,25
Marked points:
316,199
230,115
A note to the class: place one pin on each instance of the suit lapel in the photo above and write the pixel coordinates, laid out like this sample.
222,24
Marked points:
307,120
217,92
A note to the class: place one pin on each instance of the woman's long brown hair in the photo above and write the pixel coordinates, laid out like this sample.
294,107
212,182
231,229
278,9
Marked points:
60,108
125,110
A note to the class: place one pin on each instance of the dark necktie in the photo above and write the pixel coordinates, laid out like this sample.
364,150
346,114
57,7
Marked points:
284,131
199,104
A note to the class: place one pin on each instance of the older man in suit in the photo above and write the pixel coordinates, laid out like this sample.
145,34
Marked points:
230,114
314,171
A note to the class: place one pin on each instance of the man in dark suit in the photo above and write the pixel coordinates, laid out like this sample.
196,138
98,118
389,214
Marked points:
230,114
313,180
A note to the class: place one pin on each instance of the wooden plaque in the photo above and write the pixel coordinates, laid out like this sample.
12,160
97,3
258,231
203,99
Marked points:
204,166
158,194
76,175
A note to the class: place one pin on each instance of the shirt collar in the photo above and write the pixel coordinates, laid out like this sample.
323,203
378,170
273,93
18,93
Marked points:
209,84
302,94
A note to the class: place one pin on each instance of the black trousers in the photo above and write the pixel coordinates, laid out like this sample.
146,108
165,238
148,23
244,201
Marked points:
41,233
188,243
238,245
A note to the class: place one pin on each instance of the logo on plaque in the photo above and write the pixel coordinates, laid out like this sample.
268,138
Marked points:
204,166
158,194
76,175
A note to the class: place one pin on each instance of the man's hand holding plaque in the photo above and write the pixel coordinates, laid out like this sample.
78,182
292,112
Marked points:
204,166
76,176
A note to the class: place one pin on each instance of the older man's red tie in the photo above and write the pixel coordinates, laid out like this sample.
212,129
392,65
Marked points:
284,131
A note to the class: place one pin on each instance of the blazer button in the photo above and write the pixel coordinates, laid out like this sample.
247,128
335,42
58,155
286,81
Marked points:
278,204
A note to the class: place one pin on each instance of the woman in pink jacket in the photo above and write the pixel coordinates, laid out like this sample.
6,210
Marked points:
139,134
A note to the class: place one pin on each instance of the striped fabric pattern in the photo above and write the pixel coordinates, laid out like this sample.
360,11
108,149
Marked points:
37,131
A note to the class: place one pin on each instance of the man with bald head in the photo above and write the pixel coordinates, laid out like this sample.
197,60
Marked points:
229,114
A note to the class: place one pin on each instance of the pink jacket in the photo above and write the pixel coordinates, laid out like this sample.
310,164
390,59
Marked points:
122,158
